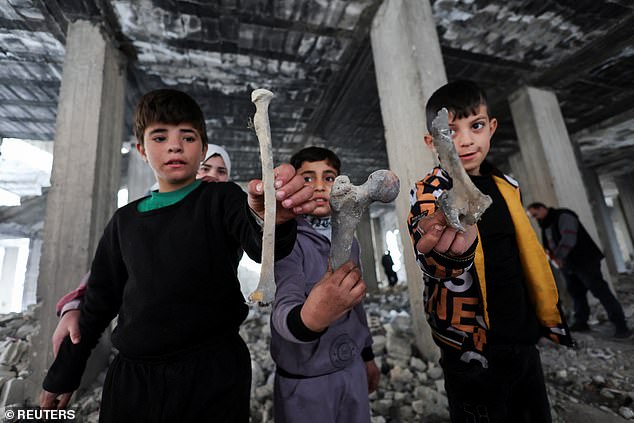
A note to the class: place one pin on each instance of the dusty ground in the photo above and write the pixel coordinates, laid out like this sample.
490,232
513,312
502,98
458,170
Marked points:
595,381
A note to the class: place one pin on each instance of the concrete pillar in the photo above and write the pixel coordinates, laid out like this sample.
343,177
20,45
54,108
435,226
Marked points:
140,176
625,187
553,171
409,68
85,176
622,235
378,238
364,236
32,270
7,278
604,222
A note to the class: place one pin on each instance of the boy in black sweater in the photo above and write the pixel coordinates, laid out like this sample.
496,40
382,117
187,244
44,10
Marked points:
180,355
489,294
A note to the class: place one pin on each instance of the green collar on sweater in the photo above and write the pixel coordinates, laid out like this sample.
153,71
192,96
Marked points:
158,199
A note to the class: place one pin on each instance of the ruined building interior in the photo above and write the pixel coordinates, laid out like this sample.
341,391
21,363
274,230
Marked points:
349,75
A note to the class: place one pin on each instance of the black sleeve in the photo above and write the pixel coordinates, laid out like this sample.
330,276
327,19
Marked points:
367,354
243,226
299,329
100,305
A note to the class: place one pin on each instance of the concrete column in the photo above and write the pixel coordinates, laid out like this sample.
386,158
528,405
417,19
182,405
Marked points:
552,167
140,176
409,68
85,176
7,278
32,270
364,236
626,195
622,235
604,222
378,238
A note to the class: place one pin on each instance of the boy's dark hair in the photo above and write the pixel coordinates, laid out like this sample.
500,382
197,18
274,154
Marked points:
316,154
462,98
537,205
170,107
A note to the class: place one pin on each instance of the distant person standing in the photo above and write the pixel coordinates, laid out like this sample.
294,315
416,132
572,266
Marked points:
388,266
571,248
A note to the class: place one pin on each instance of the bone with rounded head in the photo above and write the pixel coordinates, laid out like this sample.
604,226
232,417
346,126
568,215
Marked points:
265,291
463,204
348,203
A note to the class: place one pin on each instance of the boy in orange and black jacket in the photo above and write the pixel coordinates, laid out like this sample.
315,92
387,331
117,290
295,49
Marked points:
490,294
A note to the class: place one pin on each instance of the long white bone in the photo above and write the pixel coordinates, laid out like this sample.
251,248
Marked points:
348,203
463,204
265,291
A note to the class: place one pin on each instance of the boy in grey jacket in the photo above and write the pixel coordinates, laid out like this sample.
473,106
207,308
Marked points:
320,342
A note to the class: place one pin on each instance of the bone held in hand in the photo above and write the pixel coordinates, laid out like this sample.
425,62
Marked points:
463,204
348,203
265,291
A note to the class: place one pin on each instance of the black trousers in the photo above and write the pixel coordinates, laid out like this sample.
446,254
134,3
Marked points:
211,384
510,390
584,277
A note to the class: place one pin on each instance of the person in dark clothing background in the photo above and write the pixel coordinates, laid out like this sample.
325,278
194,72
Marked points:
387,263
571,248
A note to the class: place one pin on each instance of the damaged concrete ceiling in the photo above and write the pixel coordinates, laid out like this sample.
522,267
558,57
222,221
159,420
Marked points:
316,55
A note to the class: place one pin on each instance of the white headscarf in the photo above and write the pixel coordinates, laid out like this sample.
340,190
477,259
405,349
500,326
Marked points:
216,149
211,150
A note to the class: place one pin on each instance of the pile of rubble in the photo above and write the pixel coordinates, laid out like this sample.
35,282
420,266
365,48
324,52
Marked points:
15,338
595,380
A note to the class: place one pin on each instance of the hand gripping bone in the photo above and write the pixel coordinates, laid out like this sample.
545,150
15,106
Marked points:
463,204
265,291
348,203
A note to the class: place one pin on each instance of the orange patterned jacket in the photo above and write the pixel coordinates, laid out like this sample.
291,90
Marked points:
455,287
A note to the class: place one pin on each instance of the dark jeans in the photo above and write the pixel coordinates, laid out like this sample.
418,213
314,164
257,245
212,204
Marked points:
510,390
207,385
584,277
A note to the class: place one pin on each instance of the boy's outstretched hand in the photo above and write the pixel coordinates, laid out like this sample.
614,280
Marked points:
52,401
435,235
331,297
293,196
